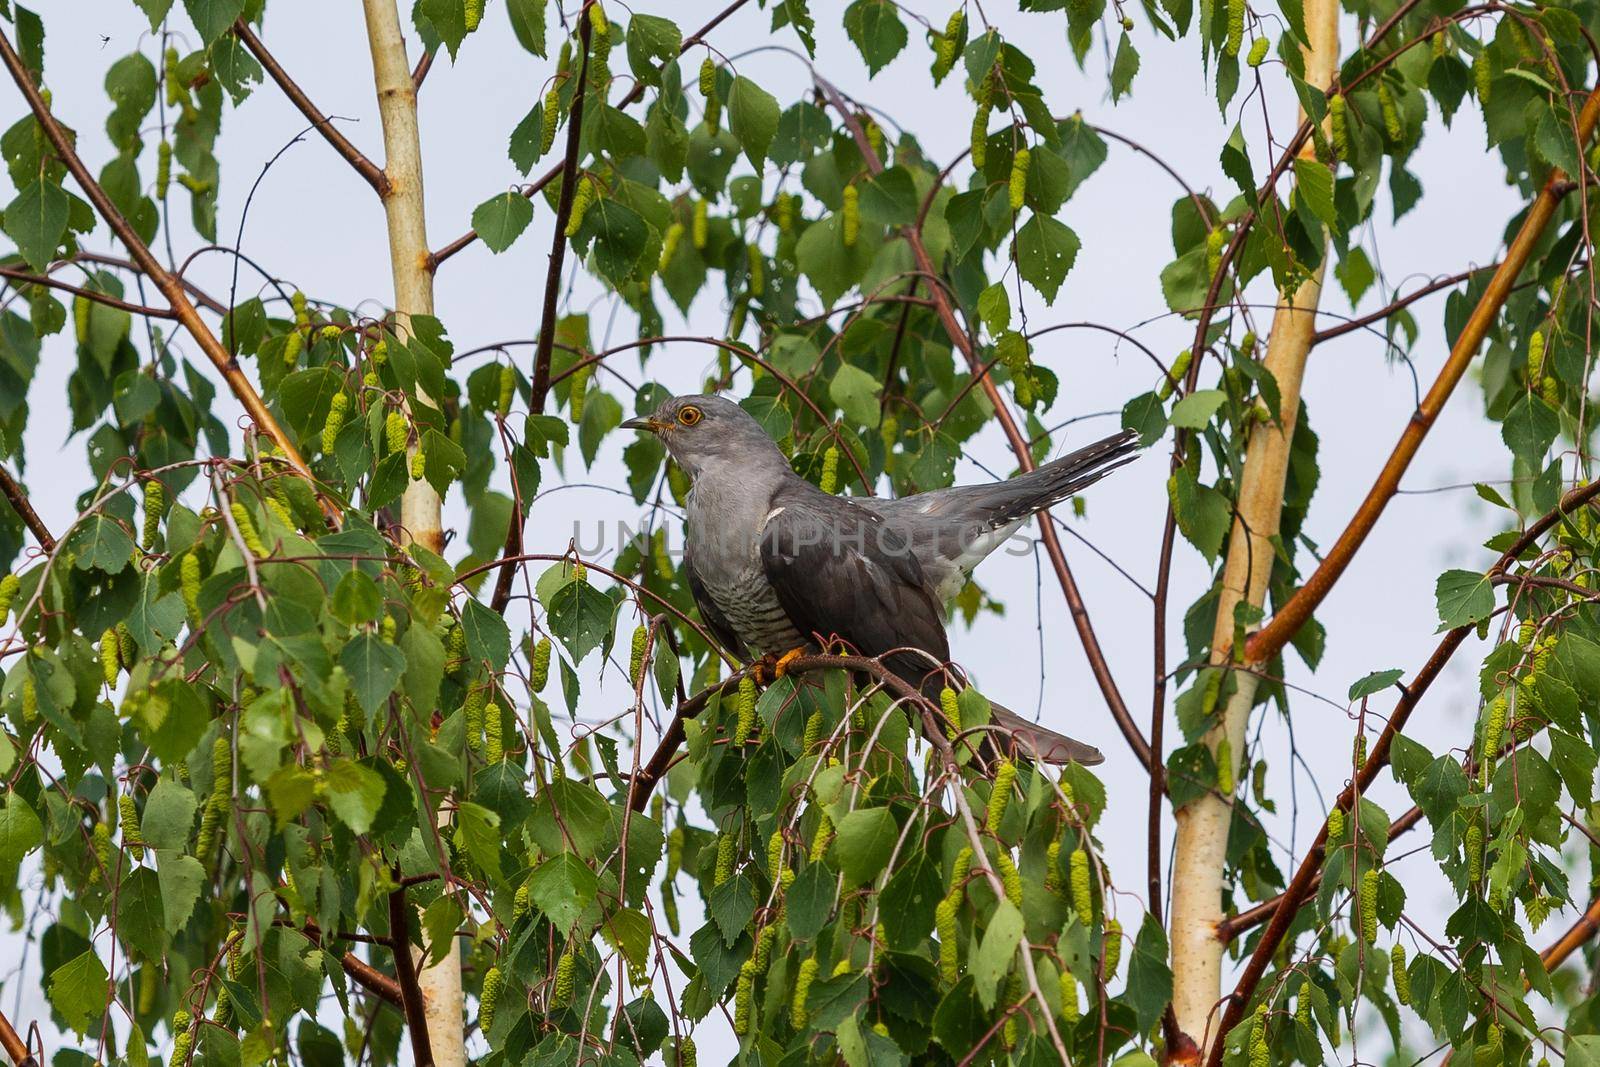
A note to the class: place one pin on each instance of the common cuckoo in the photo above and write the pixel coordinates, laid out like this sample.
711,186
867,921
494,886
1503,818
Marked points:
777,566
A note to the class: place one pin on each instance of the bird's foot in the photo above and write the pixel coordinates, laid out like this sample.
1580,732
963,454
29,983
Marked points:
764,671
781,667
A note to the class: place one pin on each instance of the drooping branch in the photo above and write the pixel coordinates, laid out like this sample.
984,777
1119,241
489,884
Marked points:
1200,855
1014,435
1294,614
1305,876
632,96
146,261
370,172
18,498
105,299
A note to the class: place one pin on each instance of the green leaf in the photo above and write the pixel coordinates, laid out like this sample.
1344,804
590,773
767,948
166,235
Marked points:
1123,68
875,28
182,879
563,887
1376,682
997,951
101,543
1195,410
501,219
908,902
1045,251
213,18
753,117
480,832
354,792
1203,513
652,38
1529,429
20,830
78,990
528,24
37,221
168,817
1313,182
374,667
865,840
580,618
488,638
856,393
1465,598
1149,978
1146,415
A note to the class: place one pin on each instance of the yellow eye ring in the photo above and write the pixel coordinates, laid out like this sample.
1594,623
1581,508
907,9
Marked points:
690,415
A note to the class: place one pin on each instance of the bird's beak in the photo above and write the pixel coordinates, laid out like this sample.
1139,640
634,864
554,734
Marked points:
643,422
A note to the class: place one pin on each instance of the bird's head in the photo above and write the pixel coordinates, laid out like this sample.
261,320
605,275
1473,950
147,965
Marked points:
700,431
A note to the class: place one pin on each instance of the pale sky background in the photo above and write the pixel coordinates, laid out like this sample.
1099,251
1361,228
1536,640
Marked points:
315,224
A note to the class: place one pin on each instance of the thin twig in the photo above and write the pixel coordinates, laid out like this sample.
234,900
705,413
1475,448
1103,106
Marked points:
18,498
88,294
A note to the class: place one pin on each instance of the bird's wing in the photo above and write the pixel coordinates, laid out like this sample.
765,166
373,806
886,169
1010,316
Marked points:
839,569
710,614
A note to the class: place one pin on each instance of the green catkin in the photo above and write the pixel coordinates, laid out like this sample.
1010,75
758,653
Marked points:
947,44
331,332
578,393
598,21
1402,978
1336,826
549,120
850,216
641,637
746,711
582,197
1260,1054
958,871
10,586
874,134
1052,867
670,243
783,212
1441,43
1482,75
110,656
294,342
712,113
80,318
395,432
419,464
944,921
1070,1012
1338,124
380,352
182,1042
30,700
829,483
799,1014
980,137
687,1056
471,15
950,704
100,838
507,392
1235,37
1000,796
1180,367
708,77
1010,877
1359,755
565,967
494,747
127,647
1536,356
132,835
539,676
743,993
813,732
822,839
1224,755
472,713
163,169
1258,52
155,502
1216,241
727,849
1078,879
1494,725
1111,953
775,853
758,270
297,304
338,408
1018,191
1369,905
247,529
700,225
521,903
1390,110
580,573
1474,853
675,843
1550,391
489,998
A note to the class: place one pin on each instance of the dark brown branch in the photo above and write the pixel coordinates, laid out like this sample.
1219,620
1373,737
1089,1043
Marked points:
18,499
169,286
1019,446
361,972
88,294
420,71
370,172
1398,304
199,295
540,379
15,1047
1300,886
406,975
1287,622
632,96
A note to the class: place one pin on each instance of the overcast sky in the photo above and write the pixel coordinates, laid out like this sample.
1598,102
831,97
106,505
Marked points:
317,225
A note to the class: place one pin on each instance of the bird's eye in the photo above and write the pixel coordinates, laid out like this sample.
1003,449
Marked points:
690,415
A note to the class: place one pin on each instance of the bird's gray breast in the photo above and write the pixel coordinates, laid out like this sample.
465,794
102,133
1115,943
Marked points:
724,533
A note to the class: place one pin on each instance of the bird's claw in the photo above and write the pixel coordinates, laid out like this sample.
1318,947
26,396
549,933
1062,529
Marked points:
781,667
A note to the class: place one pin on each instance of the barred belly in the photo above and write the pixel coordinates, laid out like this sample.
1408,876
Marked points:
752,609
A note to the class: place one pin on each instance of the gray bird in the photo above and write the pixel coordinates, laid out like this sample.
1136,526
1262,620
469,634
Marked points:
776,565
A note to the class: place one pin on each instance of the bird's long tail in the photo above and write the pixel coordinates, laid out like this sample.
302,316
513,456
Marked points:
1019,497
1010,733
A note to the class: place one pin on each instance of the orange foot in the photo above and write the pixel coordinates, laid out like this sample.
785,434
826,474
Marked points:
781,667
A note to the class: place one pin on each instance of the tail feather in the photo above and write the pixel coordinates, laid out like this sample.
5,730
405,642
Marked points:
1060,478
1042,743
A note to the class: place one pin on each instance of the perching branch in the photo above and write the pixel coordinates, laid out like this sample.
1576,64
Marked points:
632,96
370,172
146,261
1305,876
1018,441
18,498
1287,622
